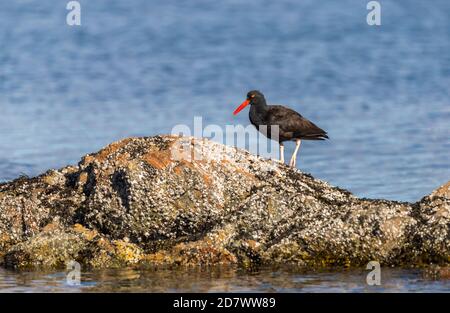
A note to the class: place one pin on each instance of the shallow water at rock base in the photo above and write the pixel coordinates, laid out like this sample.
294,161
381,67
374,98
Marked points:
222,279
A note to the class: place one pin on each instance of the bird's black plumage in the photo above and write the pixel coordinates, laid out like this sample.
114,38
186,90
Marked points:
291,125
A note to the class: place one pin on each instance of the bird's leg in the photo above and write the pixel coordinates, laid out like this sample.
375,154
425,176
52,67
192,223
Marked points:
294,155
281,153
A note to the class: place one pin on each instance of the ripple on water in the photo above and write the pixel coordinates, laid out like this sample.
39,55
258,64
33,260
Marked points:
221,279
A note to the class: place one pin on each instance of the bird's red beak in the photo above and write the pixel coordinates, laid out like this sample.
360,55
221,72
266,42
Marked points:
239,108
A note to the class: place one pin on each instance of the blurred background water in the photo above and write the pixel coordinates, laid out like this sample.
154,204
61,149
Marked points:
139,68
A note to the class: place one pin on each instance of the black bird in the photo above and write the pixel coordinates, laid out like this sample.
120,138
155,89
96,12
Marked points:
291,125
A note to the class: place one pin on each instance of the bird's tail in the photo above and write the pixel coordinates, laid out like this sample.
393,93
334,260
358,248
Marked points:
318,136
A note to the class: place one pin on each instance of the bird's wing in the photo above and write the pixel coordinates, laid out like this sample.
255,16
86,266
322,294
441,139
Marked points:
291,121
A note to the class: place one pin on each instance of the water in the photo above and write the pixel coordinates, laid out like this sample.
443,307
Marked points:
140,68
220,279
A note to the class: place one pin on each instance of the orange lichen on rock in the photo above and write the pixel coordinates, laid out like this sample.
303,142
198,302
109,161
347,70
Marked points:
158,159
51,227
82,178
103,154
87,233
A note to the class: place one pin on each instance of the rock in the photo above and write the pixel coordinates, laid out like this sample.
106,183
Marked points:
55,246
143,201
436,272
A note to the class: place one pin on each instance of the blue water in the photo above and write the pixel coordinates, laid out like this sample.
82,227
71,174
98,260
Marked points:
141,67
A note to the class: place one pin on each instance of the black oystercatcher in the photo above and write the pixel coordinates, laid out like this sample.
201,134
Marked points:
291,125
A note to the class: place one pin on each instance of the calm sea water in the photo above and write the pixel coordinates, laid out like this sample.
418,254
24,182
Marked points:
139,68
219,279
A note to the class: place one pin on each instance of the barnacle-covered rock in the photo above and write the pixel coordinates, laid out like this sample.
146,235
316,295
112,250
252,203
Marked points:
186,201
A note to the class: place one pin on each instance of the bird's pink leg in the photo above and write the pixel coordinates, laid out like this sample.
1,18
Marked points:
293,160
281,153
